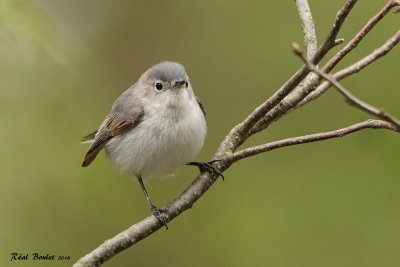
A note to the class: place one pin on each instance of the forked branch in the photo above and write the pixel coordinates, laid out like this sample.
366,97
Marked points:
350,98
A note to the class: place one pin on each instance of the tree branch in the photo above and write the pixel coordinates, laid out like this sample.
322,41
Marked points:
350,98
307,24
355,68
330,39
252,151
292,100
360,36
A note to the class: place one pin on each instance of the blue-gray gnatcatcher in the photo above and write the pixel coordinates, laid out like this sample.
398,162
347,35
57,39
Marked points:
154,127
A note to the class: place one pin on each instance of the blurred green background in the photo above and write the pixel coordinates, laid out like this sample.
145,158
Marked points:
62,64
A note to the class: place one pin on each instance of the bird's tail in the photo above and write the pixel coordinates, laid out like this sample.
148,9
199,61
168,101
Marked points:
92,153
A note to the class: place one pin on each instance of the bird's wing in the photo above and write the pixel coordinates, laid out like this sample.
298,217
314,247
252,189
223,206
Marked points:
201,106
114,125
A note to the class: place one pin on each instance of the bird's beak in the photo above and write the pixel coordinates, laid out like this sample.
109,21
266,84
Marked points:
178,83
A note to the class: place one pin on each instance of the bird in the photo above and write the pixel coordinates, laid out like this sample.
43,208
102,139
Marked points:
155,126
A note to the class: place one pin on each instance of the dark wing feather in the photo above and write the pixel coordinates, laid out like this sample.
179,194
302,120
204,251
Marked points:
89,137
112,126
201,106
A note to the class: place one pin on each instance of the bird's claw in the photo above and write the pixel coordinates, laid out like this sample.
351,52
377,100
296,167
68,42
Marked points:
158,214
207,166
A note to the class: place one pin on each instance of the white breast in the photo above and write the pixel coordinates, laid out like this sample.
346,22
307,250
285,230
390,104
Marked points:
169,135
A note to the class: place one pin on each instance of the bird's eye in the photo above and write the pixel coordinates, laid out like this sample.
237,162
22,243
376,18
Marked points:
186,84
159,86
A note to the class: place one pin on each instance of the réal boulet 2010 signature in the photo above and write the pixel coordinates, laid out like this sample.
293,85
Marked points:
37,257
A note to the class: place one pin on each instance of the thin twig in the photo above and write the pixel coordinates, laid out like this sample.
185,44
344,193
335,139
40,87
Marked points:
350,98
307,24
252,151
354,68
331,38
367,60
359,36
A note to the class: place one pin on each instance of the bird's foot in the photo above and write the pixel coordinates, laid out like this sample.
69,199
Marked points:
207,166
158,214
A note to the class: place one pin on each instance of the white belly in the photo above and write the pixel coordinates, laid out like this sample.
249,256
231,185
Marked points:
164,140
